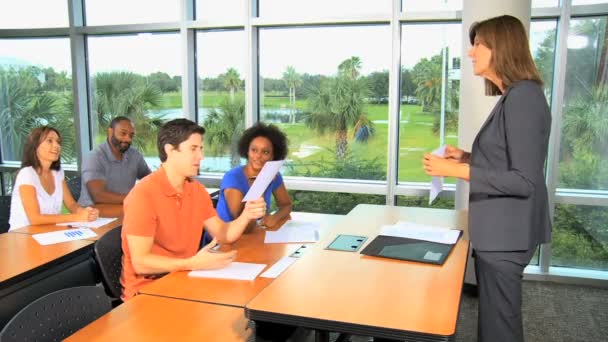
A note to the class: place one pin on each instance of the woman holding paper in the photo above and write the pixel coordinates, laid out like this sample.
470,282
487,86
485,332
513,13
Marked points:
258,144
508,206
40,188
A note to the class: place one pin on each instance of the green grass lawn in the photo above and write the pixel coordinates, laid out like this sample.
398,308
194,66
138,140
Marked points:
415,134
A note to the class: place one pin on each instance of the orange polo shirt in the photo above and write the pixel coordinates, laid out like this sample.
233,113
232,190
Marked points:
154,209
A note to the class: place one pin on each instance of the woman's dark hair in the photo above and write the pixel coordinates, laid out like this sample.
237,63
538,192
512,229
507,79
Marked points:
511,57
34,139
268,131
174,133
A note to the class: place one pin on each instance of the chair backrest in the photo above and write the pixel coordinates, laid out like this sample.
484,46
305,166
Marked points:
215,196
74,185
5,213
57,315
108,253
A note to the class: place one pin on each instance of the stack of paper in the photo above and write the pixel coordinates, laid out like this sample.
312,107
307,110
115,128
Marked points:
101,221
423,232
294,232
234,271
63,236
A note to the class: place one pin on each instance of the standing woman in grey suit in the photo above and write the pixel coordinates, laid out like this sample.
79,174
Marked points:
508,210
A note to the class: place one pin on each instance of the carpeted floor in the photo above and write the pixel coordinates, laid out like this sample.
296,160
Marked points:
552,312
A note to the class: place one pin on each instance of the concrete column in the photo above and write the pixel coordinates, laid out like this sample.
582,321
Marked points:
475,106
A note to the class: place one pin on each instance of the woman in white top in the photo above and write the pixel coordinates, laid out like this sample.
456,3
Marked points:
40,188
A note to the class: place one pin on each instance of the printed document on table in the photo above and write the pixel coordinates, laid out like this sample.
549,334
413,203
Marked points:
279,267
263,179
301,225
101,221
63,236
291,235
419,231
436,182
234,271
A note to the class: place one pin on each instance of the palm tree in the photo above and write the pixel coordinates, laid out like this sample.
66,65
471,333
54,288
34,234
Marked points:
337,104
224,127
350,68
293,80
127,94
232,81
427,76
24,106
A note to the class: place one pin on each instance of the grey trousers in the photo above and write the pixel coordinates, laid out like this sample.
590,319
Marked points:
499,279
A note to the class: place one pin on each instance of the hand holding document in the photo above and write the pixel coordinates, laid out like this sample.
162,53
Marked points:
436,182
63,236
234,271
101,221
263,179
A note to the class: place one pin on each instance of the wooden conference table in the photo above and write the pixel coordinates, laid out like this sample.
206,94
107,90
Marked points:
29,270
371,296
153,318
251,248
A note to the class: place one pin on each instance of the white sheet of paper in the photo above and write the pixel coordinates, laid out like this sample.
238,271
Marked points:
291,235
234,271
263,179
436,182
419,231
278,268
101,221
301,225
63,236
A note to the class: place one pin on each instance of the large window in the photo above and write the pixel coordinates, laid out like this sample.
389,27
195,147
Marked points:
33,14
112,12
213,10
221,97
430,91
318,85
35,90
542,44
316,8
137,76
430,5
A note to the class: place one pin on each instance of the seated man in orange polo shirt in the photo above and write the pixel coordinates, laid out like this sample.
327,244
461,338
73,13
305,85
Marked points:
164,214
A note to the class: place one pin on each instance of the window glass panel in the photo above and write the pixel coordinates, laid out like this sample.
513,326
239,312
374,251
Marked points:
430,5
7,182
141,82
220,10
331,202
35,90
221,97
423,202
545,3
580,237
430,67
34,14
584,140
110,12
542,46
301,69
314,8
589,2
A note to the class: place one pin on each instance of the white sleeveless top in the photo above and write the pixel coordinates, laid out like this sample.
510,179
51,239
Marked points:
49,204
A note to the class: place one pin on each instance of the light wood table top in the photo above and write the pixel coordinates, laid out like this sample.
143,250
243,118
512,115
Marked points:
152,318
251,248
22,254
354,293
105,210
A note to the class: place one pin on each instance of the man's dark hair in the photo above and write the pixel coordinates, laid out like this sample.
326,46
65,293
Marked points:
268,131
174,133
118,119
34,139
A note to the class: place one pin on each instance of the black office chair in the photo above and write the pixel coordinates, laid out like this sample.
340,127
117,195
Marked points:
5,213
108,254
74,184
57,315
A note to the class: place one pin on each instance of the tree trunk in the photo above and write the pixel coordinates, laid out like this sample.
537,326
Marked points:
341,144
231,95
235,158
293,105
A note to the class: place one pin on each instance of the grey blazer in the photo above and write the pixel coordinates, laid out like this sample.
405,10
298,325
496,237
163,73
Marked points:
508,209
